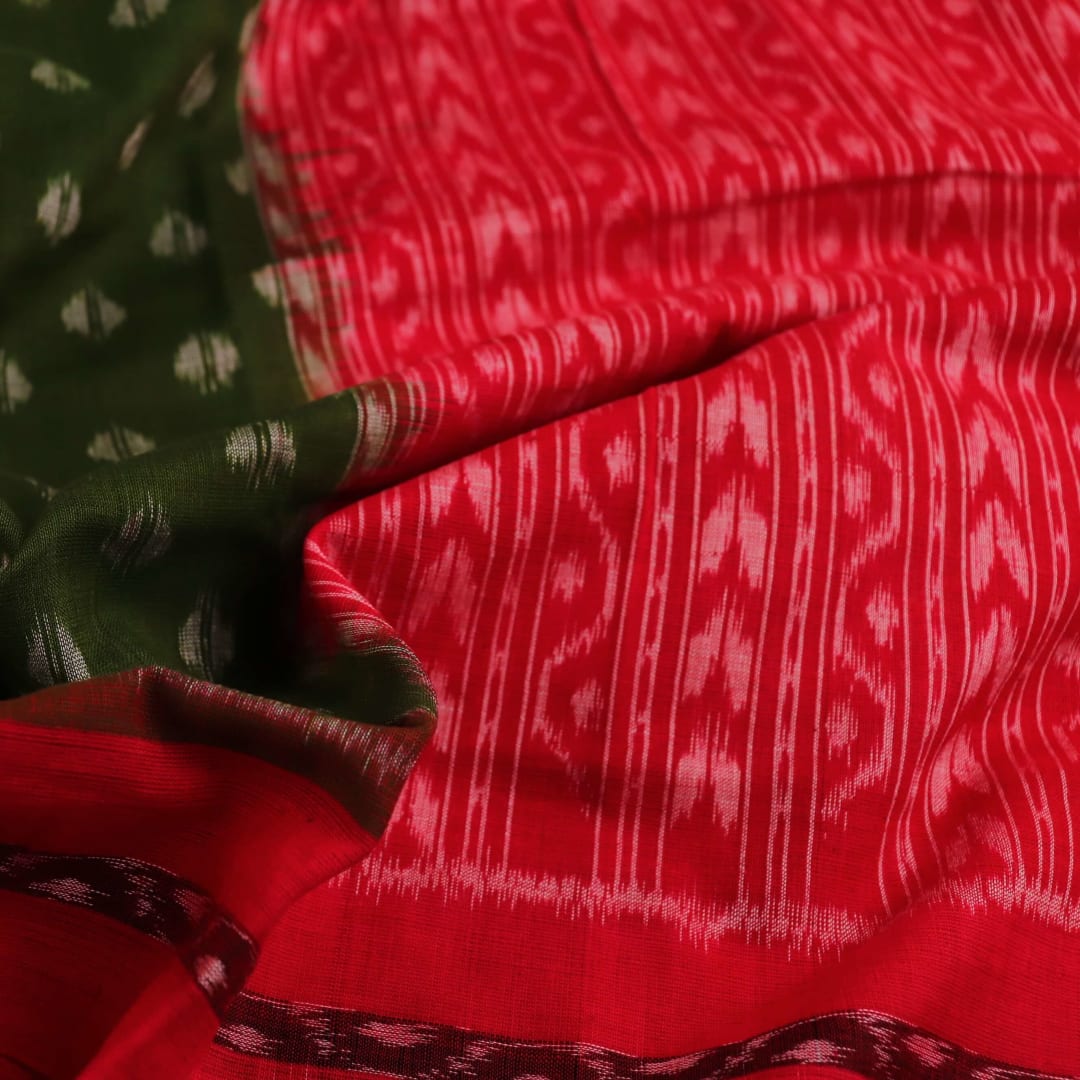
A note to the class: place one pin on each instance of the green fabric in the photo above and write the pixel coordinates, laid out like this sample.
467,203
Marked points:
151,515
125,239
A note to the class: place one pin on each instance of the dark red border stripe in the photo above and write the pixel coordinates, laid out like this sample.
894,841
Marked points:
217,952
867,1043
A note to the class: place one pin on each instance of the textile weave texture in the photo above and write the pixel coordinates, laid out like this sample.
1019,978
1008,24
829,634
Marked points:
540,539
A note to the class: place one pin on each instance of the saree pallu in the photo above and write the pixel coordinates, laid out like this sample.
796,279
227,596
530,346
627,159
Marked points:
680,400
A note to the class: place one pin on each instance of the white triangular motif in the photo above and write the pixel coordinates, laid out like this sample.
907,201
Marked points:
268,285
199,88
118,443
177,236
133,144
60,207
92,314
52,655
236,173
265,452
205,641
57,77
15,388
127,13
207,361
301,284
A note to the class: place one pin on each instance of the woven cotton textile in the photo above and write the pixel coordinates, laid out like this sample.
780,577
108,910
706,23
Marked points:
540,539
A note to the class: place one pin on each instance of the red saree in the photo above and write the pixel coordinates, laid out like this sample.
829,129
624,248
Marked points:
702,432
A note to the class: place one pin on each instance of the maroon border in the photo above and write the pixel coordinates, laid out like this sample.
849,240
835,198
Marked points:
211,945
866,1043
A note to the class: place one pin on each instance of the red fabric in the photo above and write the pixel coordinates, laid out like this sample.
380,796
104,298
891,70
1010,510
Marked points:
251,835
756,686
736,529
132,902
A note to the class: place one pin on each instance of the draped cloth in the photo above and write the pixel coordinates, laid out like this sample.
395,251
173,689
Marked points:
539,539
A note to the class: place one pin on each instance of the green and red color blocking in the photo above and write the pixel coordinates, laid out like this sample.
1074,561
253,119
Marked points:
682,391
188,746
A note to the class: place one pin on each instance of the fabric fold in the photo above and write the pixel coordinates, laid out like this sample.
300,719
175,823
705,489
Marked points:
189,743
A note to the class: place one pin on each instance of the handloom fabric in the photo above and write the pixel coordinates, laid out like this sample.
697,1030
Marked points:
680,399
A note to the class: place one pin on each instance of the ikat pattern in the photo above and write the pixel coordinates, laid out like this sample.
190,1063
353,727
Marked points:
159,465
688,538
862,1043
707,378
748,606
117,227
147,898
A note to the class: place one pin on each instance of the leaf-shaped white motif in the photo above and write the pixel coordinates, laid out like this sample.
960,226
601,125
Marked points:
280,226
128,13
207,361
92,314
955,767
245,1039
301,285
57,77
176,236
144,537
118,443
268,285
995,535
133,144
703,768
199,88
619,456
267,161
60,207
15,388
52,655
205,641
264,452
236,173
69,890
